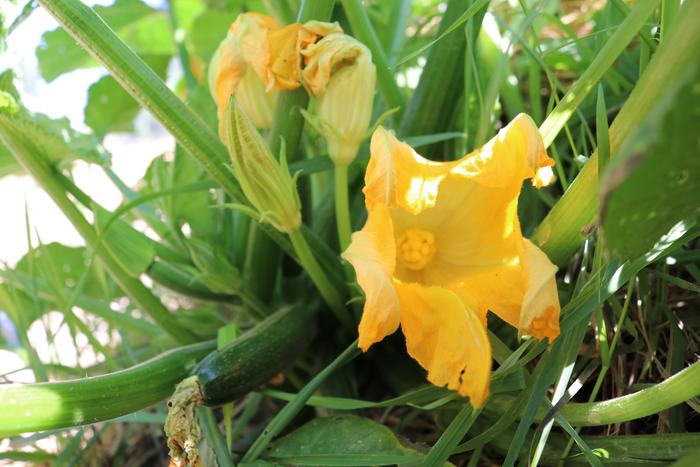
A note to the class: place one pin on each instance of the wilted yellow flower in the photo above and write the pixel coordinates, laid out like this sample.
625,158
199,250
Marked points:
233,70
281,68
340,73
442,245
266,182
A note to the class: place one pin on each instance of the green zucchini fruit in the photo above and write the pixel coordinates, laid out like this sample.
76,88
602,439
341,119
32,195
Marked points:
46,406
255,357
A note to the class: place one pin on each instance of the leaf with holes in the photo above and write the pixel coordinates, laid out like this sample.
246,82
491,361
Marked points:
654,182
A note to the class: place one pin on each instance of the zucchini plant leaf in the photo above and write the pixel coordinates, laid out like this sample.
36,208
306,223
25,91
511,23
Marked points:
207,31
654,182
192,209
110,107
55,138
342,440
145,29
52,266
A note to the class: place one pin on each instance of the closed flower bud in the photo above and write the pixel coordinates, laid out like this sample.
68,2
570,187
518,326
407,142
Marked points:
286,47
266,182
340,74
232,72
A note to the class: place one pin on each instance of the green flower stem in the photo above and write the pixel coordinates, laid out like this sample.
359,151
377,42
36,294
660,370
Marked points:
264,256
675,390
364,31
289,122
617,43
180,279
319,10
342,207
47,406
329,293
25,153
559,234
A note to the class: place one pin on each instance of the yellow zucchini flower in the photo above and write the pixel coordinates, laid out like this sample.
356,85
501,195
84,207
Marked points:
281,67
340,74
442,245
232,70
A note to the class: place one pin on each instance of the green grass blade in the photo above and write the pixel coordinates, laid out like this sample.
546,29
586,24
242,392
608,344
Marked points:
590,456
463,18
559,234
606,57
451,437
213,436
602,133
364,31
91,305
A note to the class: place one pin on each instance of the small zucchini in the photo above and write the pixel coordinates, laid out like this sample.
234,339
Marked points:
255,357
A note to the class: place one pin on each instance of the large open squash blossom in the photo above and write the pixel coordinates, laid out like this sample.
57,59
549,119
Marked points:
442,245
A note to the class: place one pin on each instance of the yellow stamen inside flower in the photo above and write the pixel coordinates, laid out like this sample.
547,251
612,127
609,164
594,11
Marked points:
416,247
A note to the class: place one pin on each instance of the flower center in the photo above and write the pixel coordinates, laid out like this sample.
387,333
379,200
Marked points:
416,247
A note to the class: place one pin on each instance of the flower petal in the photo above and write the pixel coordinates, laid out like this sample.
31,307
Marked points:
517,152
539,316
447,339
284,71
372,253
225,73
286,47
251,33
398,177
326,56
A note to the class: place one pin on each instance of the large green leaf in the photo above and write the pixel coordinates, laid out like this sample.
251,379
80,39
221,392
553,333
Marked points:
342,440
54,137
194,208
110,107
207,31
60,268
654,182
144,29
